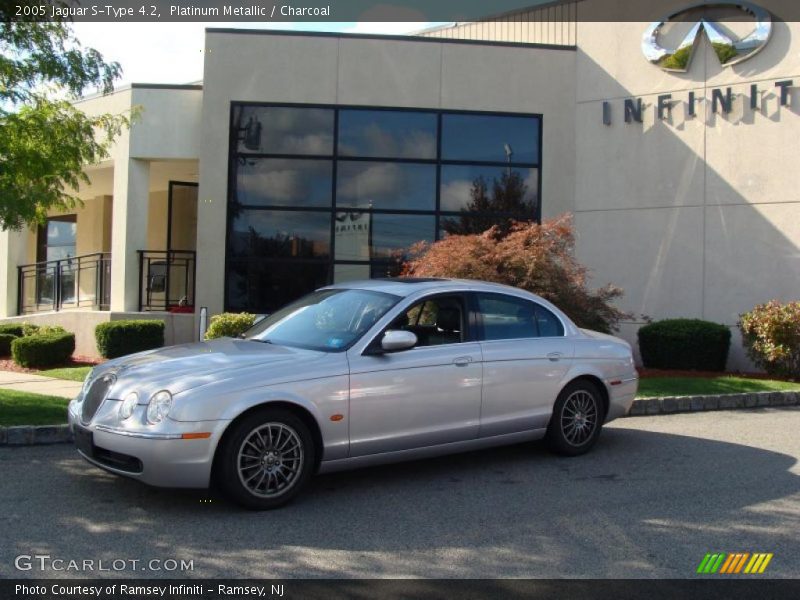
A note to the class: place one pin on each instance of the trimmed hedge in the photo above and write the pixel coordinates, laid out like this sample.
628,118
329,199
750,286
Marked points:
12,329
229,325
5,343
685,344
48,350
118,338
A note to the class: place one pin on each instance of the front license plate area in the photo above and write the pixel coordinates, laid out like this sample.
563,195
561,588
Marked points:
84,440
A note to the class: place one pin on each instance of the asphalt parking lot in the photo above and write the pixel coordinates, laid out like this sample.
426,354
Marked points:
654,496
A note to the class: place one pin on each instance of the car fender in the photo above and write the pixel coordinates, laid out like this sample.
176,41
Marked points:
325,399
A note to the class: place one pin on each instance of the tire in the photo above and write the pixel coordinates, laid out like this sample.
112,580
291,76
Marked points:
577,419
266,459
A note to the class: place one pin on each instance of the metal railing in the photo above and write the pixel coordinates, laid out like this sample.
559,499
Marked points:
75,282
166,280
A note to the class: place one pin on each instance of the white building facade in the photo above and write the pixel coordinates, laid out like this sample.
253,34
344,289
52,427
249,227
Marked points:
310,158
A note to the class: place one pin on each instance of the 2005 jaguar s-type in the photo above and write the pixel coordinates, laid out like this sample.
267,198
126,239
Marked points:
354,374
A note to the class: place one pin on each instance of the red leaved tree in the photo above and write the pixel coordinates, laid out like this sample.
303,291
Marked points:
537,258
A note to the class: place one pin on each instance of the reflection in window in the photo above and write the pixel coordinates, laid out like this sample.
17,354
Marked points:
365,236
386,185
490,138
273,233
282,182
343,272
264,286
284,130
507,318
297,191
387,134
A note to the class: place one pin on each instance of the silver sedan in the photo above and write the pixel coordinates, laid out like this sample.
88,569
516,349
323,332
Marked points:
352,375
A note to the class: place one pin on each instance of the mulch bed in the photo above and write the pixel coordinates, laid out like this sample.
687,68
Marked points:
6,364
645,373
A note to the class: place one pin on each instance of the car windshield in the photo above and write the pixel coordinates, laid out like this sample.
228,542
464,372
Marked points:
326,320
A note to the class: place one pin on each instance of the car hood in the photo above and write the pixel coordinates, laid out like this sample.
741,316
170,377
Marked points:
183,367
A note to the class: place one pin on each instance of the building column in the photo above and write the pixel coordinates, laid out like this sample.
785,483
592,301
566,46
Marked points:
13,253
128,231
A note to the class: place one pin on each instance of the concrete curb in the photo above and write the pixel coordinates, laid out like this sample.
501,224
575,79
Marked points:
27,435
681,404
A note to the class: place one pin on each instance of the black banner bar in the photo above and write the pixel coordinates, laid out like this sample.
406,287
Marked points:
239,589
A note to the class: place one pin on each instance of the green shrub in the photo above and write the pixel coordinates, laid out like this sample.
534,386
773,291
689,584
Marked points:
118,338
47,329
771,336
31,329
229,325
36,351
5,343
12,329
685,344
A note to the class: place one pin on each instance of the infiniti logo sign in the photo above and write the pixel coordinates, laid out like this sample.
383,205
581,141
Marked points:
728,51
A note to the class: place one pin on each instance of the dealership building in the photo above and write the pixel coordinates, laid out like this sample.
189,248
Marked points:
309,158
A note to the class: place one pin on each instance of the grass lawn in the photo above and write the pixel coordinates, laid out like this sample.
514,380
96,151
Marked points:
650,387
24,408
71,373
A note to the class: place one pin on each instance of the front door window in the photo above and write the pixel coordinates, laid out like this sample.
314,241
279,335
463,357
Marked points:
56,250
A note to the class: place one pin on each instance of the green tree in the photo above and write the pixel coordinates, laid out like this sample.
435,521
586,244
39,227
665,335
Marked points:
45,142
507,202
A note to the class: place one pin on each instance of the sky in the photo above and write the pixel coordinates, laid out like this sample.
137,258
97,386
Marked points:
173,52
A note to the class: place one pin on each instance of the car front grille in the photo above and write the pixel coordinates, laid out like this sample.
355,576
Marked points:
97,392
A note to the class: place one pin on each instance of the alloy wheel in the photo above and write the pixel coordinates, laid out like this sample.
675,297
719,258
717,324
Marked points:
579,418
270,460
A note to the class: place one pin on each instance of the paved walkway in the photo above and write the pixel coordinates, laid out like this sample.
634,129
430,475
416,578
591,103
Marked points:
38,384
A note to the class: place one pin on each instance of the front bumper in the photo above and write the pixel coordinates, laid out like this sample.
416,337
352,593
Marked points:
157,458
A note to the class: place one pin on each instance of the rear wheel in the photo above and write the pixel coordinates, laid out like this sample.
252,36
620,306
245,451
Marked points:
266,459
577,419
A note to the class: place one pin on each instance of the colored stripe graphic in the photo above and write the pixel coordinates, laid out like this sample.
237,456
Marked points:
733,563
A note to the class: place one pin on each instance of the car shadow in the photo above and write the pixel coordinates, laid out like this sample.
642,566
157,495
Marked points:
641,504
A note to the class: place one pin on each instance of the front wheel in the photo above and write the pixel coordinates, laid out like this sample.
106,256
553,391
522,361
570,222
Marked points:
266,459
577,419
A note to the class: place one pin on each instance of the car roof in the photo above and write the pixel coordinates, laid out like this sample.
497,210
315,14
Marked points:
405,286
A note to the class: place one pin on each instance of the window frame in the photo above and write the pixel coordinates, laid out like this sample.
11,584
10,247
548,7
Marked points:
235,154
481,330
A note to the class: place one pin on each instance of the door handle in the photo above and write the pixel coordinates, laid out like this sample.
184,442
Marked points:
554,356
462,361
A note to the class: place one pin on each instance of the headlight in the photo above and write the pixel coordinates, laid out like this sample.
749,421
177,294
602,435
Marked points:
127,406
159,406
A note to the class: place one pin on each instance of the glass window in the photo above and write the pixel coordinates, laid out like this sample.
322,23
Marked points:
284,182
386,185
548,324
435,321
327,320
263,286
345,272
489,189
284,130
280,234
57,238
490,138
364,235
387,134
506,317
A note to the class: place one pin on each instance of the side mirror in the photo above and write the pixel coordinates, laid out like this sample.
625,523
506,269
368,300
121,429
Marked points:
396,339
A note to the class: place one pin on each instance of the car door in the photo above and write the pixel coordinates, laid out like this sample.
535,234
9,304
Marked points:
525,358
423,396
